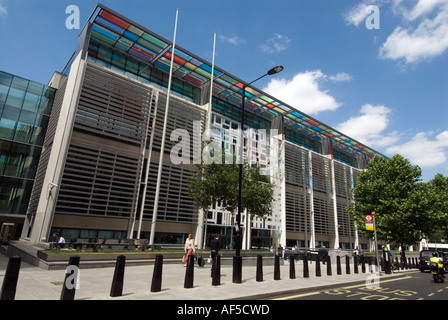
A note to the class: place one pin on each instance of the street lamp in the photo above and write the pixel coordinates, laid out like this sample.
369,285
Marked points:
237,260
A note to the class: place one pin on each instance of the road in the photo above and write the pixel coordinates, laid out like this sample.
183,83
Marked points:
412,286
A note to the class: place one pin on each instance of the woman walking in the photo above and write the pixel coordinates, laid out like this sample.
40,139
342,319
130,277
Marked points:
189,248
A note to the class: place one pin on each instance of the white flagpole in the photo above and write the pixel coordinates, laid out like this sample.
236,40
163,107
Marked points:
209,115
202,227
162,147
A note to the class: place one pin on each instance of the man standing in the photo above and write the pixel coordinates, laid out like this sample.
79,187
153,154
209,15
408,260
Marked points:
215,250
324,254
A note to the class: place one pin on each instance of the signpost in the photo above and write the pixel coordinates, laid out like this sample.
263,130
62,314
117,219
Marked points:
370,225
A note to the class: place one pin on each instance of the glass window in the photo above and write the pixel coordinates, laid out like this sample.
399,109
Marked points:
25,126
14,195
17,92
8,122
46,102
5,83
32,96
40,127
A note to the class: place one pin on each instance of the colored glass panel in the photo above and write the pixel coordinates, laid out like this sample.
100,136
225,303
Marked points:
108,16
149,45
154,40
135,30
130,36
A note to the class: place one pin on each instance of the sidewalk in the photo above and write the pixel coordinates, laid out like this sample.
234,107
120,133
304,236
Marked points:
35,283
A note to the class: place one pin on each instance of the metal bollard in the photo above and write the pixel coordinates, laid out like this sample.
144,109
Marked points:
318,272
189,273
216,276
276,267
347,264
11,277
355,264
292,267
338,265
329,273
116,289
363,264
259,268
71,278
306,272
237,269
156,284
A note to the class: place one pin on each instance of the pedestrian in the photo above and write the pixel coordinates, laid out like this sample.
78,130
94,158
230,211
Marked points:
324,254
215,250
189,248
55,241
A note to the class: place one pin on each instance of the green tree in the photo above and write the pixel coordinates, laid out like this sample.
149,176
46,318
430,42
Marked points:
439,189
404,205
218,183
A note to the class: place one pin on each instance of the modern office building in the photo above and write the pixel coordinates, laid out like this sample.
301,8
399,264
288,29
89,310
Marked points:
25,108
98,174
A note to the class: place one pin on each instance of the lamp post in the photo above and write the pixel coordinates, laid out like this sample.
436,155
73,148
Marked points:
237,260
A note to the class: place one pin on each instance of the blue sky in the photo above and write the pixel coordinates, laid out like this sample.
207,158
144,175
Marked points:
386,87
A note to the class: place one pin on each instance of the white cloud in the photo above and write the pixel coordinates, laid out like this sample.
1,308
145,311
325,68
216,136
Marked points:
303,92
423,150
357,14
369,126
3,11
340,77
428,39
276,44
235,40
422,7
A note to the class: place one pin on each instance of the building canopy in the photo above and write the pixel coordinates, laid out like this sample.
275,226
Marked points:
146,46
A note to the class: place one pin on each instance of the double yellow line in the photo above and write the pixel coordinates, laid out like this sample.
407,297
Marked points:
348,287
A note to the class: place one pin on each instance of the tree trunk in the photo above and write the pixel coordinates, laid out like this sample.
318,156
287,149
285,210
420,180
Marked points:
403,253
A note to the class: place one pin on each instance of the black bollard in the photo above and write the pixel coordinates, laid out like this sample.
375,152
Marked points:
318,272
276,267
116,289
156,284
363,264
306,272
347,264
338,265
71,278
189,273
414,264
329,273
11,277
259,268
216,276
237,269
292,267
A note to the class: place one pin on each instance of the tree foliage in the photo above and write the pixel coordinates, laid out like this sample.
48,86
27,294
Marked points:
218,183
439,189
404,205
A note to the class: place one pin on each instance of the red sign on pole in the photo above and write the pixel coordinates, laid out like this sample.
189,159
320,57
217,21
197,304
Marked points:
369,218
373,213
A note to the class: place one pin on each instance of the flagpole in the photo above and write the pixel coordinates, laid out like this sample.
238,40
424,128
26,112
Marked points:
209,114
162,147
201,231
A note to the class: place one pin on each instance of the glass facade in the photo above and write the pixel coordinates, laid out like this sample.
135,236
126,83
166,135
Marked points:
25,108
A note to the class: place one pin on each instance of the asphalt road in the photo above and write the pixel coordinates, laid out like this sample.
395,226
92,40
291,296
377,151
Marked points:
412,286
